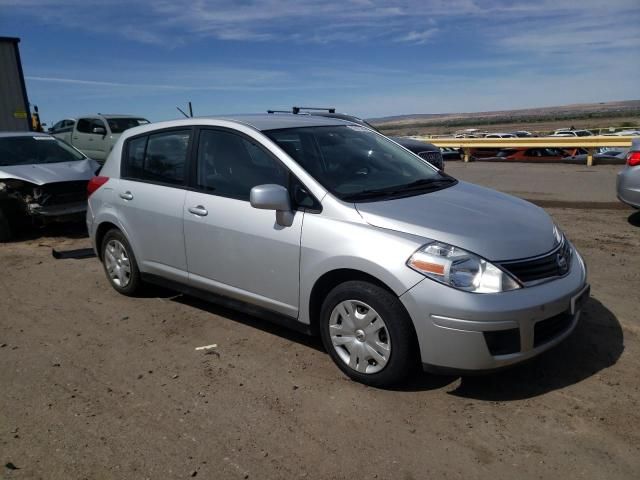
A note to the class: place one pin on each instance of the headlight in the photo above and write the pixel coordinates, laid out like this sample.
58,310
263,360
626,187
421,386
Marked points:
460,269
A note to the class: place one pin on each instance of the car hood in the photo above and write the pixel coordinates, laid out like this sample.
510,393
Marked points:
415,146
491,224
40,174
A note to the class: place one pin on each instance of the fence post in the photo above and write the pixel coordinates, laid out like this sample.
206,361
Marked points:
590,152
467,154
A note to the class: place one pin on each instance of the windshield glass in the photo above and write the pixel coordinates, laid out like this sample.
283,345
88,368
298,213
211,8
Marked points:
354,163
35,150
119,125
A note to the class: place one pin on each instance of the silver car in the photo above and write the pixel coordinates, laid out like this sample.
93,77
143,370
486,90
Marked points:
42,180
334,229
628,181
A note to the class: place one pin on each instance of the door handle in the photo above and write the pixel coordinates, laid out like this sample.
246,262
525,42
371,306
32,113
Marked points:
199,211
126,195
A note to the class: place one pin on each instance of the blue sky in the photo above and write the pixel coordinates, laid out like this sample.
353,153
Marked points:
366,57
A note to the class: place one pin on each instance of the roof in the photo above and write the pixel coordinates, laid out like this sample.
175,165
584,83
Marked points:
275,121
10,39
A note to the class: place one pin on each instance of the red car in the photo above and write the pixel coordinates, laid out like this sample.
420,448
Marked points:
532,154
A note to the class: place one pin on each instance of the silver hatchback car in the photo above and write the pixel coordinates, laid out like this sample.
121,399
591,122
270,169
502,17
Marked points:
333,229
628,180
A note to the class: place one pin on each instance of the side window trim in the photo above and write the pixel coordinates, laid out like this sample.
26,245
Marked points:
192,184
124,157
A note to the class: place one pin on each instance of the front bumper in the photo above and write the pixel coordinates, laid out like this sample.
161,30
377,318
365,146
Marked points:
477,332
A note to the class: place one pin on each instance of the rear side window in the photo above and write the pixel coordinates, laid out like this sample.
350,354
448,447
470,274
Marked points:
158,158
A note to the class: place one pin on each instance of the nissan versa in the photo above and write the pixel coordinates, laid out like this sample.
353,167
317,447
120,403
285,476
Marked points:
334,229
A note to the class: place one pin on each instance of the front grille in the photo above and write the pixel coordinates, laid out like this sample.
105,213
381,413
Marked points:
503,342
546,330
554,264
61,193
433,157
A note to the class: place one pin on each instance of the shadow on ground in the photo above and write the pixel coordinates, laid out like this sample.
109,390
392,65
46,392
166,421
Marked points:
252,321
597,343
634,219
54,230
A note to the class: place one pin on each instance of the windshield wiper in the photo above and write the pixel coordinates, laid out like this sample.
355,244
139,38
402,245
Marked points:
423,184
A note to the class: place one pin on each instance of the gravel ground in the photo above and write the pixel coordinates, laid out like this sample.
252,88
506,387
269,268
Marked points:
96,385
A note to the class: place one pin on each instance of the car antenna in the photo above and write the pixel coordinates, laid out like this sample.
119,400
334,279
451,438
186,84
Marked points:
190,111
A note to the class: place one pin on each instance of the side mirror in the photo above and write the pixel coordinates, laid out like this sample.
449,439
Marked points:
273,197
99,130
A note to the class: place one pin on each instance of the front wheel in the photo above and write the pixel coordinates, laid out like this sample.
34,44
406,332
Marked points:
368,333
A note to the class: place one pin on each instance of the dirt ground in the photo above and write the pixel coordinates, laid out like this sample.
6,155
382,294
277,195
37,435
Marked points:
94,385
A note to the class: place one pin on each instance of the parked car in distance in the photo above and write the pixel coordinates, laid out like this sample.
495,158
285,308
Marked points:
451,153
42,180
523,134
332,228
532,154
628,179
572,133
63,126
95,135
426,151
500,135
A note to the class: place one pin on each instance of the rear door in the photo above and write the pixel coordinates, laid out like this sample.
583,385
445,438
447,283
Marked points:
233,248
150,199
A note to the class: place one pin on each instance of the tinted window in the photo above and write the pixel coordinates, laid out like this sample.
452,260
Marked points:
27,150
84,125
351,160
119,125
159,158
230,165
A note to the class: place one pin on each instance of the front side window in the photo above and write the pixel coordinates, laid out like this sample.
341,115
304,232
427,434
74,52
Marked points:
158,158
230,165
32,150
84,125
356,164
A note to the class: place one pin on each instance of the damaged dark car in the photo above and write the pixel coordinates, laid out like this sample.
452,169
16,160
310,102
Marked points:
42,180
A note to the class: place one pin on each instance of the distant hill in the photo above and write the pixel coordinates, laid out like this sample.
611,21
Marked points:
586,115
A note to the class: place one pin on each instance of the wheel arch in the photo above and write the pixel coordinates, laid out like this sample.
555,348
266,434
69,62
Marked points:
331,279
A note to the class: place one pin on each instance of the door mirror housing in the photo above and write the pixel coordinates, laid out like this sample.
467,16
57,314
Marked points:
273,197
99,130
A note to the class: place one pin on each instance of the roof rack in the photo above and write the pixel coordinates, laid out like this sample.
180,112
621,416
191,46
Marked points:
278,111
298,109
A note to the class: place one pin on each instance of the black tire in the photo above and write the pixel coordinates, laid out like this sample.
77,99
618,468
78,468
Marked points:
134,284
402,356
5,229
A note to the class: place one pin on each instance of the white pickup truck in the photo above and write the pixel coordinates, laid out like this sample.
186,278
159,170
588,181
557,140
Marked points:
95,135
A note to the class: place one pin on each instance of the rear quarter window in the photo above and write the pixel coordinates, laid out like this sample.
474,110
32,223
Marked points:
158,158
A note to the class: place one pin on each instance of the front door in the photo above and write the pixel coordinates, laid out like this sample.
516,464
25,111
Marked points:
93,145
233,248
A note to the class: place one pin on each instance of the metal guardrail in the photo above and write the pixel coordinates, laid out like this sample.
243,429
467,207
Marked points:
588,143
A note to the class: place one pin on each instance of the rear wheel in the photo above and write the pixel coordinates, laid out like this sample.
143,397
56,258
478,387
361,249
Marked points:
120,263
368,333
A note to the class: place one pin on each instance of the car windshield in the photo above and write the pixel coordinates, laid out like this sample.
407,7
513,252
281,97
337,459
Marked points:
30,150
356,164
119,125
